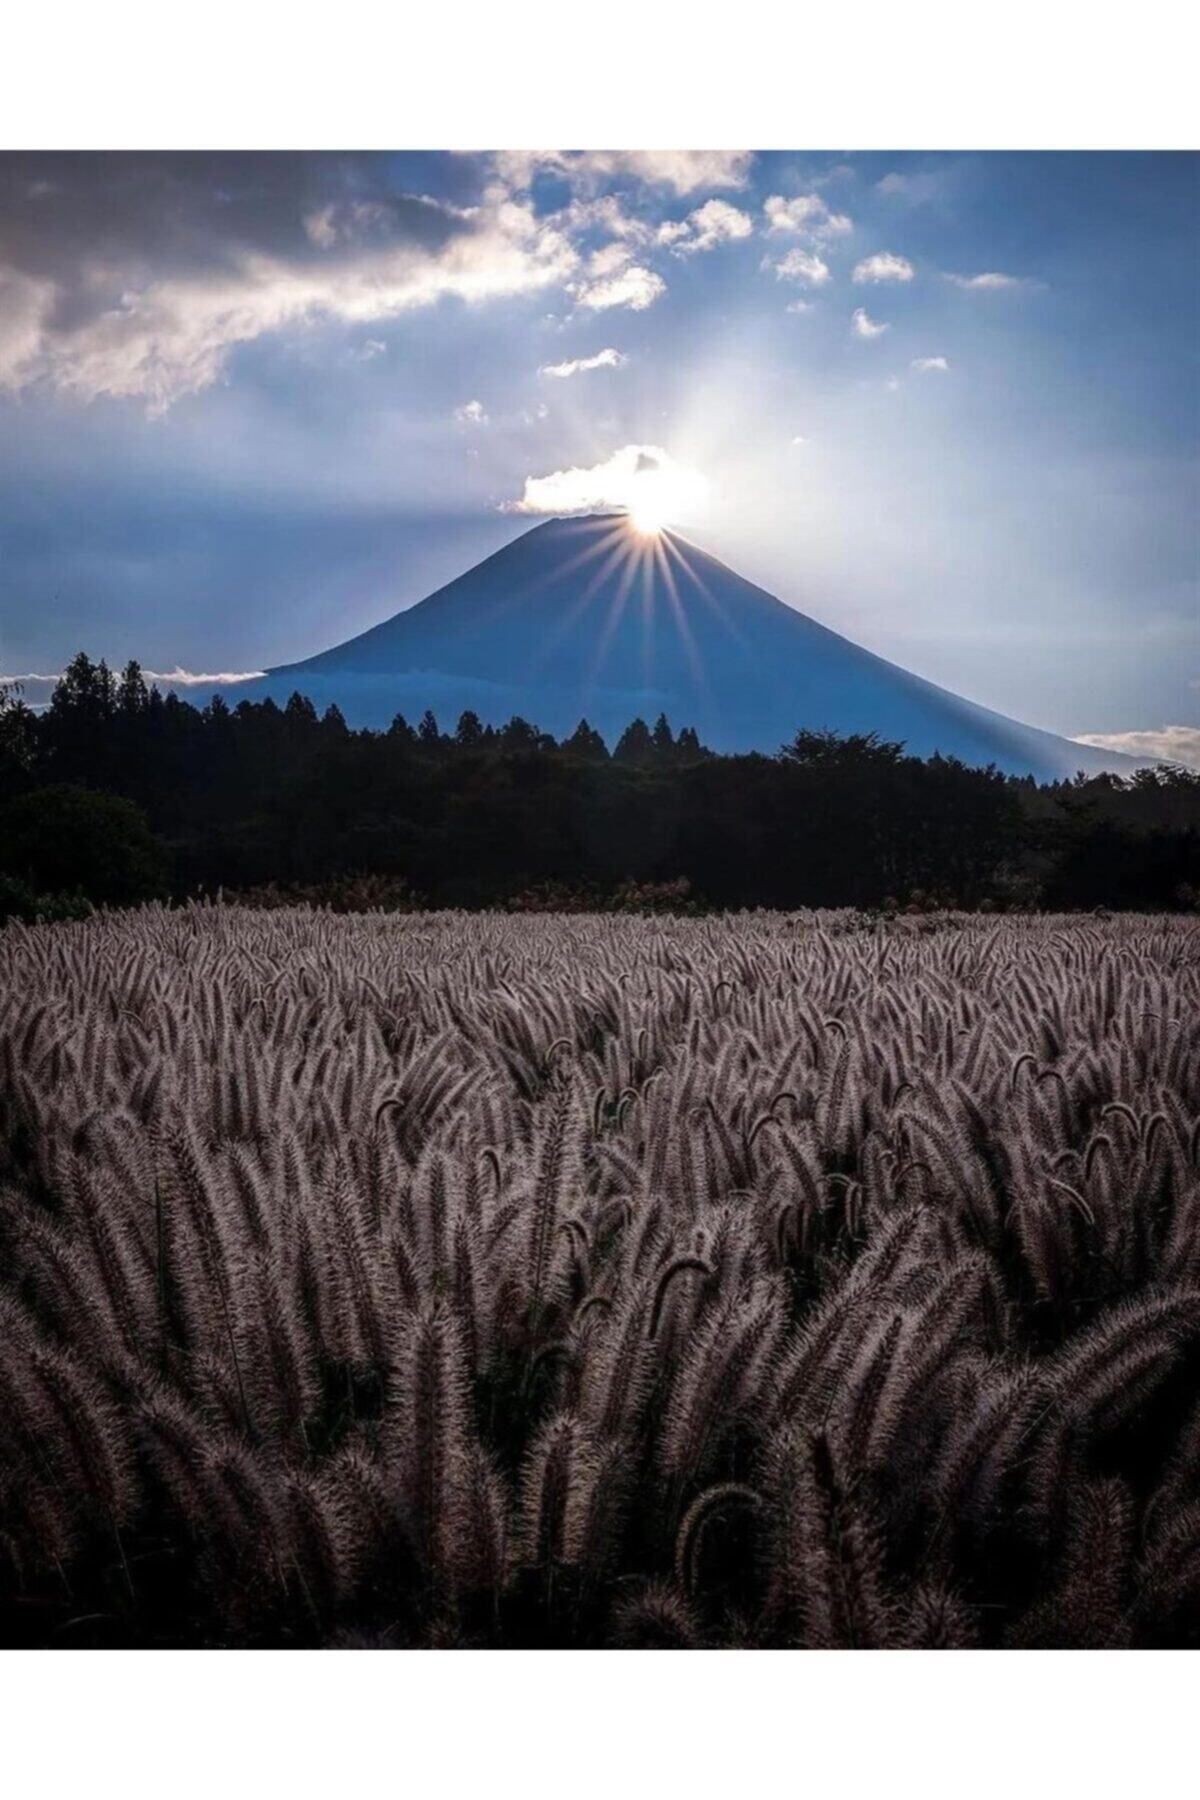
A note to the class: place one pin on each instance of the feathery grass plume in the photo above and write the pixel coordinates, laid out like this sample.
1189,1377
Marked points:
679,1265
114,1260
248,1158
251,1191
689,1539
809,1369
427,1433
1099,1382
936,1618
1088,1609
620,1368
718,1383
482,1554
823,1553
322,1547
282,1378
959,1313
361,1266
659,1618
248,1539
62,1433
853,1420
1166,1606
557,1489
981,1449
557,1171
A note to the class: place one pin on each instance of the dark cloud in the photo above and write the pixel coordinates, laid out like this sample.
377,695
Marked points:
134,275
191,212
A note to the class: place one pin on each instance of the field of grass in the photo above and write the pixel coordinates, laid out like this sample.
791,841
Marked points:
454,1279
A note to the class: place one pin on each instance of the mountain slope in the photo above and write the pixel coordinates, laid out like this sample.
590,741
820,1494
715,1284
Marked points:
583,617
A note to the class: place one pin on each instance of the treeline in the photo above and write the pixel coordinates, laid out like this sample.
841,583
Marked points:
117,793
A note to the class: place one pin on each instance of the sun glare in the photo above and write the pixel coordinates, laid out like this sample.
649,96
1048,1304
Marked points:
661,494
648,509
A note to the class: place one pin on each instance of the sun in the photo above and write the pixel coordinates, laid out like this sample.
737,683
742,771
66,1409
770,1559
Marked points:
649,507
659,494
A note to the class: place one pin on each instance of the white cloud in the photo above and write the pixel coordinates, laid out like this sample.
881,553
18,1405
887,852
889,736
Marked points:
685,171
471,414
806,215
160,339
605,212
603,359
799,440
370,350
631,285
916,189
176,677
798,306
1171,743
865,326
25,308
716,222
884,266
609,258
609,486
801,265
989,282
929,365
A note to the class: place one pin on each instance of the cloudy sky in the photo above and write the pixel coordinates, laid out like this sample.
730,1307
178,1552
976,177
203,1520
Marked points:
947,404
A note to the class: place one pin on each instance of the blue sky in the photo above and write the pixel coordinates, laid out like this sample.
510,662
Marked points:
947,404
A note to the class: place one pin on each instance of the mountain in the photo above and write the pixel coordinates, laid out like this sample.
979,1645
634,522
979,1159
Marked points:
585,617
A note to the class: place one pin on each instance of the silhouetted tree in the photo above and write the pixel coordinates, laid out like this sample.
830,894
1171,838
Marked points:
68,839
586,744
842,750
635,744
519,734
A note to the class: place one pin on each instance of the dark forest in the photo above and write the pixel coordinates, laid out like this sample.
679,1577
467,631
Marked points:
116,794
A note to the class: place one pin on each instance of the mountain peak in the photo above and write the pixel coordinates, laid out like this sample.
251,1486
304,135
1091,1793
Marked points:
583,615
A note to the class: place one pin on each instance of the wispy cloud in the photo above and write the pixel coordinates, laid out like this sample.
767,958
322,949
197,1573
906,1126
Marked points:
42,686
1170,743
864,326
990,282
189,678
930,365
885,265
684,171
472,413
915,189
603,359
